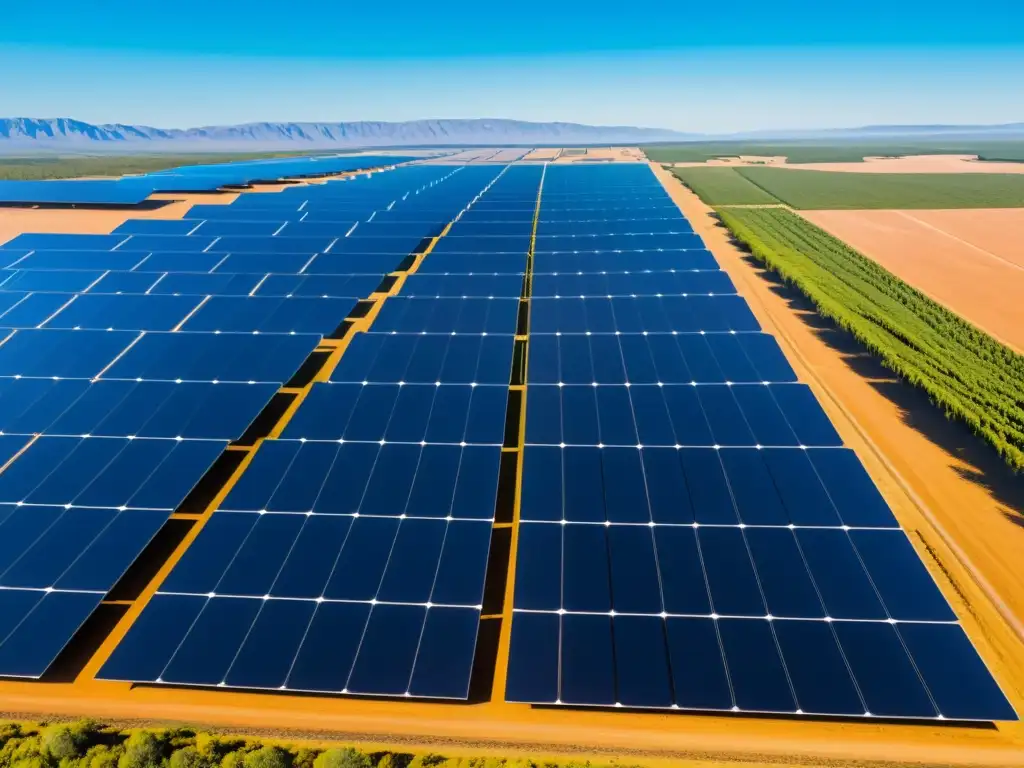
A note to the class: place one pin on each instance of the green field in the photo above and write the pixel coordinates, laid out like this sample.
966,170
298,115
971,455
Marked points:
810,190
828,190
831,152
724,186
964,371
76,166
86,744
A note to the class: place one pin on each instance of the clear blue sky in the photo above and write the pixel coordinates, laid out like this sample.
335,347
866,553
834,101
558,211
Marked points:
710,66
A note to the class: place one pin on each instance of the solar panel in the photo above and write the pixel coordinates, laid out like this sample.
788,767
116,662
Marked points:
665,283
265,314
107,472
122,414
42,280
409,413
693,535
368,522
119,408
385,358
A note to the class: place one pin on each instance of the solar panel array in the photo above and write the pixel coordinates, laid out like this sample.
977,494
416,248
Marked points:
692,533
128,362
133,190
350,557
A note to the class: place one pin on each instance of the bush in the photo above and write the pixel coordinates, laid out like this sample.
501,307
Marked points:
142,750
267,757
59,743
101,756
342,758
188,757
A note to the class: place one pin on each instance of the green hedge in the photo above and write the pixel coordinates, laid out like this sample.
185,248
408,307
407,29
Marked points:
86,744
966,372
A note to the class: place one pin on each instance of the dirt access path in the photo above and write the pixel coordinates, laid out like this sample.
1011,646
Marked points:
971,261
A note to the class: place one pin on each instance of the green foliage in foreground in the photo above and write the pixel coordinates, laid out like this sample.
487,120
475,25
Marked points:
826,190
724,186
831,152
969,374
70,167
88,745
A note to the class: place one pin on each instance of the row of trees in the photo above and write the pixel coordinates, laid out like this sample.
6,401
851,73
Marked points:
966,372
86,744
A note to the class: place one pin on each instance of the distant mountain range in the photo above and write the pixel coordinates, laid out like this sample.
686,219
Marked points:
64,133
31,134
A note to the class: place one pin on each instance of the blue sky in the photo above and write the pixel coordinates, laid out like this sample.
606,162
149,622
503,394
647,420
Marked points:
710,66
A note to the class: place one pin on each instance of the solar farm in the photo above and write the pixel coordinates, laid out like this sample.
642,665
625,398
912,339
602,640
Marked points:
480,438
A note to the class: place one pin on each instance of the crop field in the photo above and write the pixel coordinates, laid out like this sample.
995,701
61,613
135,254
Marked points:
813,190
724,186
811,152
963,370
825,190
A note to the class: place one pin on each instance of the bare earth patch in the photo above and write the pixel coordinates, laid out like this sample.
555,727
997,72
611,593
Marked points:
971,261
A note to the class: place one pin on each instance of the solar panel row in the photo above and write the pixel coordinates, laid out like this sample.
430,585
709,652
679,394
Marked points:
120,388
692,533
366,527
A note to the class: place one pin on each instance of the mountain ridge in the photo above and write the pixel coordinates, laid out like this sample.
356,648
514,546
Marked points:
25,133
60,132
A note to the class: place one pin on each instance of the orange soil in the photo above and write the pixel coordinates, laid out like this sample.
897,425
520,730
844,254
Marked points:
908,164
970,261
506,729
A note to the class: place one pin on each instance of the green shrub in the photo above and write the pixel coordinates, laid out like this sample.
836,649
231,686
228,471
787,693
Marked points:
342,758
267,757
60,743
101,756
142,750
188,757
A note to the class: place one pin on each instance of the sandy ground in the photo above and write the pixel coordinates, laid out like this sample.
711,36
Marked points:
909,164
970,261
606,154
545,154
869,421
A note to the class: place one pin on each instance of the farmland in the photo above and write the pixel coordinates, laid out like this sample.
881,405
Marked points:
964,371
724,186
835,152
824,190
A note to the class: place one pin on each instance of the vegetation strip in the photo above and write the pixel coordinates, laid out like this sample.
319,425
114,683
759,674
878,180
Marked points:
86,744
970,375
